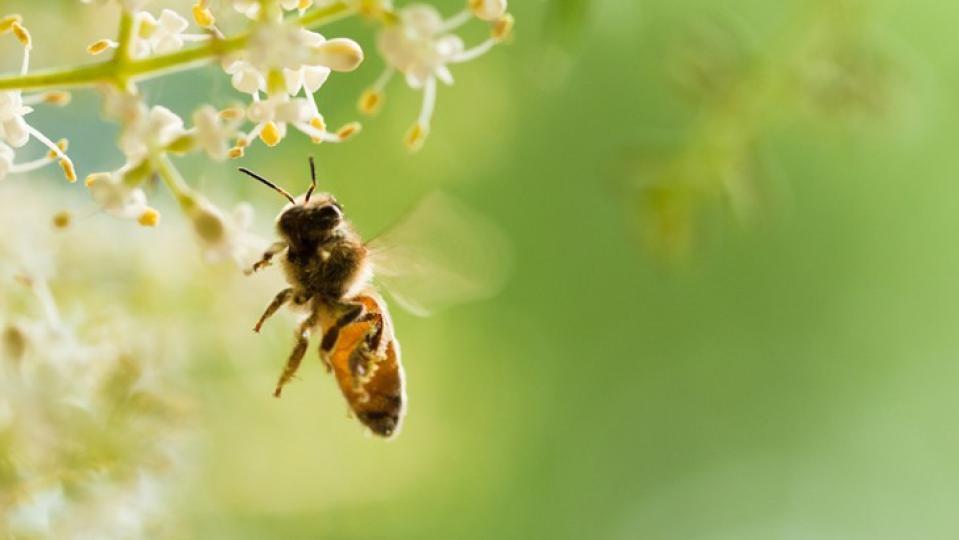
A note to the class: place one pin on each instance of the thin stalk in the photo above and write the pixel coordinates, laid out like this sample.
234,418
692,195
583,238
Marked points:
118,72
173,180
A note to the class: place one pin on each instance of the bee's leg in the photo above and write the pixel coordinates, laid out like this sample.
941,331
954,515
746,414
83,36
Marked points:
281,298
302,342
353,312
267,257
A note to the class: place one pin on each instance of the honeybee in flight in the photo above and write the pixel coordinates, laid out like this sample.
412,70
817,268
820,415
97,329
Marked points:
439,255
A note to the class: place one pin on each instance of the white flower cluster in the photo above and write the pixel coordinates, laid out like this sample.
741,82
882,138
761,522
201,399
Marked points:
420,44
91,432
282,62
278,63
15,132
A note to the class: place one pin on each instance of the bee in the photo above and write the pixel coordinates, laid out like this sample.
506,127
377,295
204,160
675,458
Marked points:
330,270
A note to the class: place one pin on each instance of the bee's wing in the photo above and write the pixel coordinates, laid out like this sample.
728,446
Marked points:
442,253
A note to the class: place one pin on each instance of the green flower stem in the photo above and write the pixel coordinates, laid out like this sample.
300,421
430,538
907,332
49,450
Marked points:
173,180
124,37
117,71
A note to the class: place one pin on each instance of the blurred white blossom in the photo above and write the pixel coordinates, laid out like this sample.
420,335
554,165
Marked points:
161,35
92,432
421,45
225,237
15,131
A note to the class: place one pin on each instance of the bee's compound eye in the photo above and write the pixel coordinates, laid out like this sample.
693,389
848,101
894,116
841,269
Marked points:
330,212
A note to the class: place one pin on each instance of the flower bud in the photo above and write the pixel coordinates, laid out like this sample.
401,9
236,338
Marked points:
208,223
503,27
338,54
488,10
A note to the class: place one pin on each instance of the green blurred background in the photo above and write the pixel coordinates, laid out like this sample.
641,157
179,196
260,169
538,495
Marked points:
662,364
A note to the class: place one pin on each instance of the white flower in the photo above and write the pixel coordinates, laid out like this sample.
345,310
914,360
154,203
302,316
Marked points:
16,132
305,59
117,198
251,8
309,78
212,133
272,115
225,237
161,35
150,131
283,60
420,45
245,77
13,128
417,47
279,45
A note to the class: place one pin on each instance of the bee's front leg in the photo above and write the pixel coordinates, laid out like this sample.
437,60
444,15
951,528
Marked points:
281,298
296,356
267,257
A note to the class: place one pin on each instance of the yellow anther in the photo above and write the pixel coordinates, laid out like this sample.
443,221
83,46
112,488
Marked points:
68,170
57,97
23,36
232,113
235,152
416,136
488,10
62,144
270,134
503,27
317,123
304,5
96,177
100,45
242,142
149,218
370,101
203,16
348,130
62,219
6,23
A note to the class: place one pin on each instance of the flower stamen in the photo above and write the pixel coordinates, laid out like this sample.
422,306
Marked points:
101,45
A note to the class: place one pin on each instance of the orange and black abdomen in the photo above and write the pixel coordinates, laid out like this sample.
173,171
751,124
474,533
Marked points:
367,366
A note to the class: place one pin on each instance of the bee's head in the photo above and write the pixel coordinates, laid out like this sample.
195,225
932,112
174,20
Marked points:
309,221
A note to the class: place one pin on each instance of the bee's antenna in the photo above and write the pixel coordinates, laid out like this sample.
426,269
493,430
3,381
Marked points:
310,191
275,187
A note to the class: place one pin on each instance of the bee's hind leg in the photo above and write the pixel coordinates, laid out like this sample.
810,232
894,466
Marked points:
299,350
281,298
